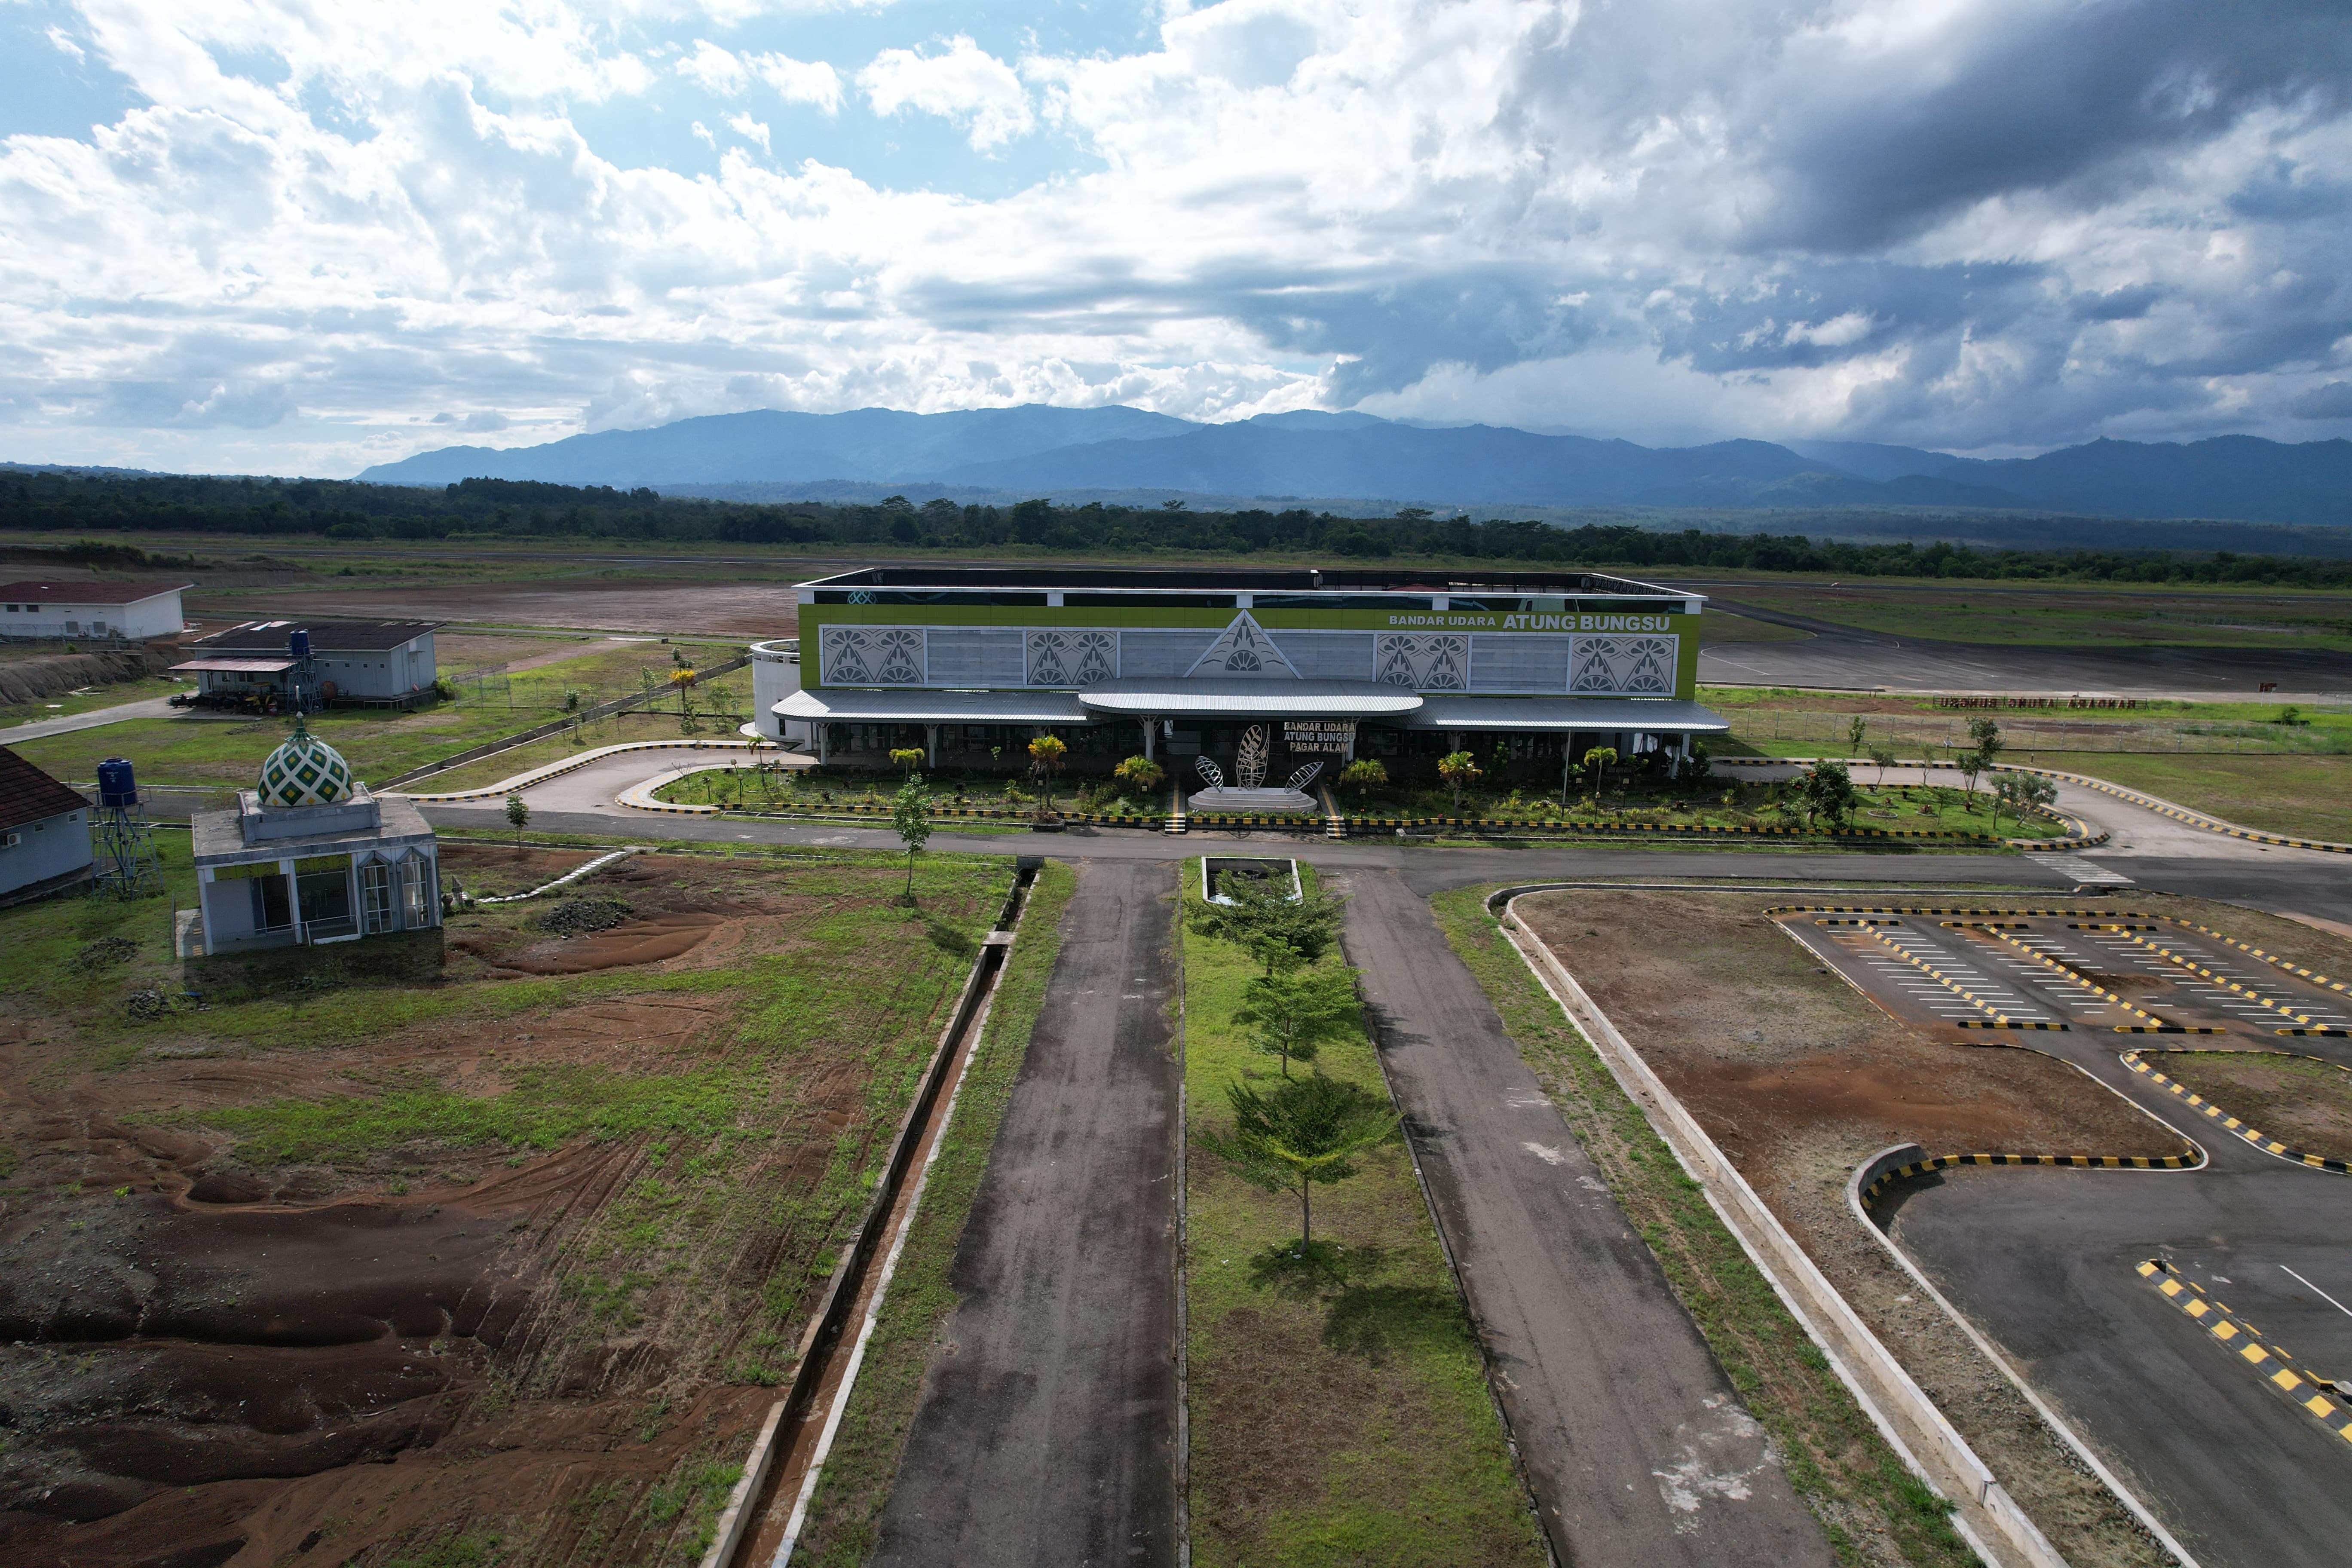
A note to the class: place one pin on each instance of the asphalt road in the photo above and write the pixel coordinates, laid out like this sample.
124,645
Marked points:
2041,1259
2044,1261
1047,1431
1840,655
1637,1448
97,718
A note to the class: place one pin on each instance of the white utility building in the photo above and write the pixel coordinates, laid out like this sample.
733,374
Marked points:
128,612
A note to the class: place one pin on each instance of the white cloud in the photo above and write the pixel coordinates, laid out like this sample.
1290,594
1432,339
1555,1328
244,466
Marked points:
66,46
965,84
751,130
800,82
1946,225
716,69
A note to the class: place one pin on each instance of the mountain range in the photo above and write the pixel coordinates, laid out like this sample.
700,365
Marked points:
1308,455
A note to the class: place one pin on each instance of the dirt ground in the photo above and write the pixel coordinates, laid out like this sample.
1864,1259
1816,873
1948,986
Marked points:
741,607
2301,1101
222,1350
1799,1078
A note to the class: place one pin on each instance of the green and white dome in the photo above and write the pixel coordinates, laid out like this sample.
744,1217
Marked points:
305,770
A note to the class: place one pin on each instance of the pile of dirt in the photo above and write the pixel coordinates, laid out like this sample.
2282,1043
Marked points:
104,953
52,675
637,941
578,917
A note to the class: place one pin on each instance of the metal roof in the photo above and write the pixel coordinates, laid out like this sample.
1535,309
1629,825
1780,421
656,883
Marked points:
1656,714
326,637
236,666
88,592
1230,697
858,705
28,795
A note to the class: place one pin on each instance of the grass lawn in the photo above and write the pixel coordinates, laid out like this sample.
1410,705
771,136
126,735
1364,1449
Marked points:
199,748
2303,1102
1338,1413
741,1095
819,789
2309,797
847,1508
68,704
1726,803
1873,1509
2073,615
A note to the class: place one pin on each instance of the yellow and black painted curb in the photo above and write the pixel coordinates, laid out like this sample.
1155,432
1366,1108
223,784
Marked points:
2255,996
1929,910
2154,1026
2273,959
2070,1161
1688,830
2166,808
1999,1019
2253,1135
2268,1361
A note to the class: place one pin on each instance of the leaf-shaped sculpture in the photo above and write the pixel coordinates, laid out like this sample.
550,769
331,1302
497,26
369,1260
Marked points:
1306,776
1249,763
1210,773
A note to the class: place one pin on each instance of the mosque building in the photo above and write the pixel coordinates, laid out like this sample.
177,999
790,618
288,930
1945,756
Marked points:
309,856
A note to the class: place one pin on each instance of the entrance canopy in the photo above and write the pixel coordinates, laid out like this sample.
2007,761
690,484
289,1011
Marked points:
1657,717
1243,697
837,705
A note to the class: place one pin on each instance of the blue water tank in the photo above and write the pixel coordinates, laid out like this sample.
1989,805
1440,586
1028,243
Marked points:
116,788
298,644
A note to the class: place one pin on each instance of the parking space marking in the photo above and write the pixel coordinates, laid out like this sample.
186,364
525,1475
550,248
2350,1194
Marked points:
2309,1025
2268,1361
2254,1135
2158,1024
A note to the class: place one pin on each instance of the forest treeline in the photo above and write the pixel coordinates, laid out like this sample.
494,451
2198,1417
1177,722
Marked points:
83,504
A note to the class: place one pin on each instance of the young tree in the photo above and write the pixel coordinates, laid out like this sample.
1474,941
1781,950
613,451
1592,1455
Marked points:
1304,1132
1048,756
1828,790
1140,775
1855,729
517,814
1459,770
2021,793
907,759
910,814
1363,773
1282,933
1882,759
1970,764
1296,1011
1987,735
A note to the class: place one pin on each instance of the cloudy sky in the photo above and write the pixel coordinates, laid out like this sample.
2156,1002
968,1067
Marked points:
304,235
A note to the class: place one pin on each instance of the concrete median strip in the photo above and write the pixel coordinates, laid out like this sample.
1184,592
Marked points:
1912,1425
2253,1135
2267,1362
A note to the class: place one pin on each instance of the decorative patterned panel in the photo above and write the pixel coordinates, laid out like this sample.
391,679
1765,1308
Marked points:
1243,650
1624,666
1073,659
1328,656
1522,664
1425,661
873,656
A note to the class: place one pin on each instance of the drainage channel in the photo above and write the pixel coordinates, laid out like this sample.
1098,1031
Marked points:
764,1515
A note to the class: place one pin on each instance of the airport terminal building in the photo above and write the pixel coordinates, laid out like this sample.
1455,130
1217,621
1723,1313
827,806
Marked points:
969,663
